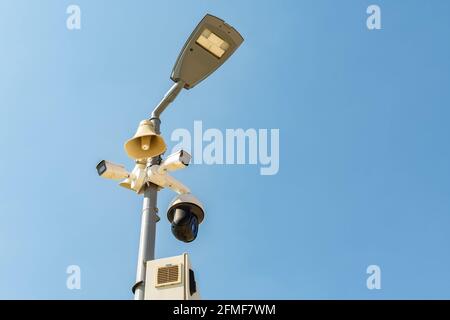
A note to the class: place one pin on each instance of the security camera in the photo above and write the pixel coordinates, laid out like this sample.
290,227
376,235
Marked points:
178,160
158,174
111,170
185,213
133,181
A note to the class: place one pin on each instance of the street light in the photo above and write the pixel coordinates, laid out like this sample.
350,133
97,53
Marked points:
211,43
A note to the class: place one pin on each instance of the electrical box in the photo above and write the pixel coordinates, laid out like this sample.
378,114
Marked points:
171,279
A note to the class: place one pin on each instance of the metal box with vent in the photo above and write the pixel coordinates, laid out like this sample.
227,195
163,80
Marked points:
171,279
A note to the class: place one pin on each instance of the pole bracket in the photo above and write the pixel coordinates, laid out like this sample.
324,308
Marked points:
136,285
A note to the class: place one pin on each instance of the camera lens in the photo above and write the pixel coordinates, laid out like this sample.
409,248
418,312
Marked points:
184,224
101,167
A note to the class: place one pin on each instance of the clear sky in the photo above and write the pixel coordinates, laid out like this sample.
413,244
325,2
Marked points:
364,175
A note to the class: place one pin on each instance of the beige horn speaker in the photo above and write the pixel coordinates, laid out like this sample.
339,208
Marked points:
145,143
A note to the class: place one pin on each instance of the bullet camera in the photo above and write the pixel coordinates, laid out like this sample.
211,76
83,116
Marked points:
176,161
185,213
158,174
133,181
111,170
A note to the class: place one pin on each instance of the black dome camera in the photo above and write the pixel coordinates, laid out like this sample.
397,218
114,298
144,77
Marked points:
184,224
185,214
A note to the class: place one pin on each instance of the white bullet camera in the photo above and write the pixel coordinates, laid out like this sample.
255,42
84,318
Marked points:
111,170
158,174
133,181
185,213
178,160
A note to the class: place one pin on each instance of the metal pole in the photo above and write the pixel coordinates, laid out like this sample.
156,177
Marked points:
147,238
149,210
148,229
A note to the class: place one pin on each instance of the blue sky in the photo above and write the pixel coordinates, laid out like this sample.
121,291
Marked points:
364,155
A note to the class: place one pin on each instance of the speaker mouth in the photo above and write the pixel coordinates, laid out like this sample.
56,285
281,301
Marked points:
154,146
145,143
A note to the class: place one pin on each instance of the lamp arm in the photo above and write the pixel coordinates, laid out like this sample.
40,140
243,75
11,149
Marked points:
169,97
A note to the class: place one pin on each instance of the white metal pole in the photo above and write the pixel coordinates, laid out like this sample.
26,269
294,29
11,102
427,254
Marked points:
149,210
147,238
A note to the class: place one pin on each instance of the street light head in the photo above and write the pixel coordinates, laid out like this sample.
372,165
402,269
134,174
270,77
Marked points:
211,43
145,143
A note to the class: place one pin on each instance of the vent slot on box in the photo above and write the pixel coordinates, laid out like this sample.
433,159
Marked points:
168,275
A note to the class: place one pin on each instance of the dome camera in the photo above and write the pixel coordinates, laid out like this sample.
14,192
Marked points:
185,213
